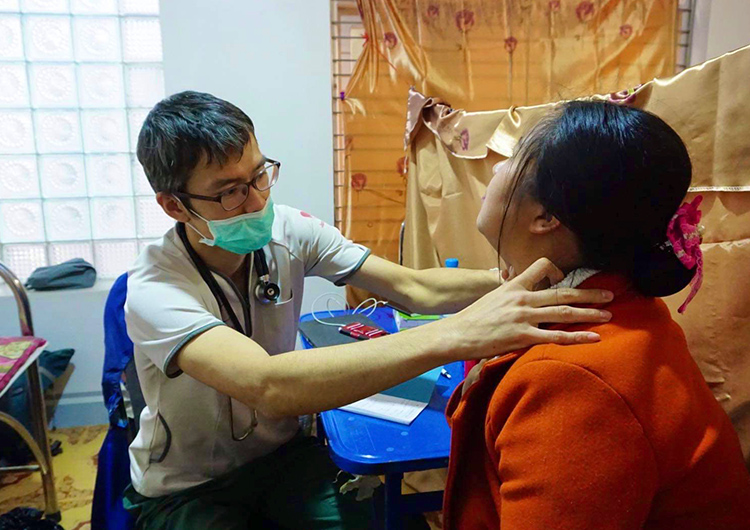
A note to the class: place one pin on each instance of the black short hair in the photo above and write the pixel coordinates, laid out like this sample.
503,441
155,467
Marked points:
184,128
615,176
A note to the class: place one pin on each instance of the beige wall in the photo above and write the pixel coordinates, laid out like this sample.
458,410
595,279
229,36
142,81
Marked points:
720,26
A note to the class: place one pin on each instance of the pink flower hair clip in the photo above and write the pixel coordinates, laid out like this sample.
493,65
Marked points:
684,236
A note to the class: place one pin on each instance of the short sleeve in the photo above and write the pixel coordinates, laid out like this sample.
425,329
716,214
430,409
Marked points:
325,251
163,313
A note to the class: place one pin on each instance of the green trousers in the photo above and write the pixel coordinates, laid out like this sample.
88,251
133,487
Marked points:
294,487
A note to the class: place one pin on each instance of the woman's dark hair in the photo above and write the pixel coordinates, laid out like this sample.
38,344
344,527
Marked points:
183,128
615,176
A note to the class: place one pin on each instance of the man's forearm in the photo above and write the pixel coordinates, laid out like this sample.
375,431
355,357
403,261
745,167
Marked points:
428,291
326,378
439,291
300,382
308,381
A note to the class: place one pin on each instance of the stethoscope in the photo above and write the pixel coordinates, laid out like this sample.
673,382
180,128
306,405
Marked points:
265,292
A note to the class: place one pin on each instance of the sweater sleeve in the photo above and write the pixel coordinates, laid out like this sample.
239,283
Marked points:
568,450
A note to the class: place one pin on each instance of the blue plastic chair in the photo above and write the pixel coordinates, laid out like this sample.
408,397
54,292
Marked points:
113,470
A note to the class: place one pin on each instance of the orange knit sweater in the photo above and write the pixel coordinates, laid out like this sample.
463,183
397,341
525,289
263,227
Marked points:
622,434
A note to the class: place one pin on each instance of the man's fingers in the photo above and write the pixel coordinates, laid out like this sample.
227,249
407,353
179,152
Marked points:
542,336
565,296
542,269
564,314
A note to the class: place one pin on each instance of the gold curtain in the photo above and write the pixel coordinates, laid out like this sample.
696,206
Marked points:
478,54
707,106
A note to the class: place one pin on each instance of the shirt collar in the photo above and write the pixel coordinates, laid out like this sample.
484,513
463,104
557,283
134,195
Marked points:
575,278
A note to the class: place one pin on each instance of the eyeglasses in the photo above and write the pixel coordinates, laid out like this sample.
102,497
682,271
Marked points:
236,196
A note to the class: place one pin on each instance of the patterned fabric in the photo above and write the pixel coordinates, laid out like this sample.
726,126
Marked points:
13,354
683,234
477,55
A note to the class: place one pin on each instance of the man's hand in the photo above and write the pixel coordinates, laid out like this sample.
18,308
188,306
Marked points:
508,318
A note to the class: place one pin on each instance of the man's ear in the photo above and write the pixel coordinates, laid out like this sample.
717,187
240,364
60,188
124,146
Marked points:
543,222
173,207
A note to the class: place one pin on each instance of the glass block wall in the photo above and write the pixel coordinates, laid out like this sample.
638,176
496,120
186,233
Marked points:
77,78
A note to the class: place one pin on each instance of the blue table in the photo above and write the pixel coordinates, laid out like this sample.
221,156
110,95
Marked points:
368,446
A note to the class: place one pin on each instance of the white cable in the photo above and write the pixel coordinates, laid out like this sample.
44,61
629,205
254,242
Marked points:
361,309
372,308
331,296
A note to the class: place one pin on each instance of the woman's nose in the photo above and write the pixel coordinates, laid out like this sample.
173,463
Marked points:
498,166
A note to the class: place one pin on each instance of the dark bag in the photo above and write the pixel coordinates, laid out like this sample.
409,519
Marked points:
74,274
15,402
27,519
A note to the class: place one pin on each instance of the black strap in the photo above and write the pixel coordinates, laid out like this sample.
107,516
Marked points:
213,285
259,257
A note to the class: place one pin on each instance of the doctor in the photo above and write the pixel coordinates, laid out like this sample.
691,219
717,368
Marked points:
212,305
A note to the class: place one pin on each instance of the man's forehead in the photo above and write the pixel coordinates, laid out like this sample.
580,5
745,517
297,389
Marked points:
237,165
250,153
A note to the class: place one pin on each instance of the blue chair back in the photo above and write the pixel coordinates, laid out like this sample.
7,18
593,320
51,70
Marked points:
118,350
113,470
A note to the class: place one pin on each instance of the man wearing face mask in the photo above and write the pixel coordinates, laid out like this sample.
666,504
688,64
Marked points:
212,305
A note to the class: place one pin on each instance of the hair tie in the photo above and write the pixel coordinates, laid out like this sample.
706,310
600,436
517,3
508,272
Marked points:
684,236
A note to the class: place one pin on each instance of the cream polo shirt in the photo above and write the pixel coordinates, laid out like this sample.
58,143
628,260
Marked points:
184,437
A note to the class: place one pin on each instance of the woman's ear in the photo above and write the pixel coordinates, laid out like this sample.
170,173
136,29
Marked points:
173,207
543,222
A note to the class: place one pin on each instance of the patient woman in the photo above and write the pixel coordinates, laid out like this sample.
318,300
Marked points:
624,433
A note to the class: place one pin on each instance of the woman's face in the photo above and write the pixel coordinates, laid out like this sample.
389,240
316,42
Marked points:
493,207
491,212
524,238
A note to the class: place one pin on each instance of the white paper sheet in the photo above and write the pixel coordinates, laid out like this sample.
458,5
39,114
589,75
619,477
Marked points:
391,408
